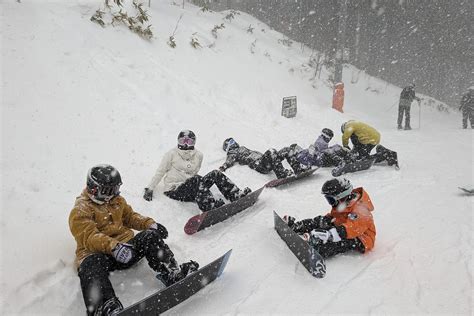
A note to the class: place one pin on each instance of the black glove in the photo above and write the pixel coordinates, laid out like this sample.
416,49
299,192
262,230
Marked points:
148,194
290,220
323,222
123,252
159,229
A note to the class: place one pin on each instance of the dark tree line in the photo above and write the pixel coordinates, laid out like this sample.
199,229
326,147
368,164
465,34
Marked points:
427,42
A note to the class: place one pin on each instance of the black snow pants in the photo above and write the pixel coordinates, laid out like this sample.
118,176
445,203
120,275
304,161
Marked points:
330,248
290,153
360,151
401,110
268,162
384,154
467,113
197,189
94,270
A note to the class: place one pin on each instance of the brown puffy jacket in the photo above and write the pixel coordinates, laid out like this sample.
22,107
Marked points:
99,227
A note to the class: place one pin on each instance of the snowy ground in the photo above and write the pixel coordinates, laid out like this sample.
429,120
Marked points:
74,95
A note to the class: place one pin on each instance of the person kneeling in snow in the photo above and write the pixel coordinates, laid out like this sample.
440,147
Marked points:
363,137
349,225
102,222
179,169
270,160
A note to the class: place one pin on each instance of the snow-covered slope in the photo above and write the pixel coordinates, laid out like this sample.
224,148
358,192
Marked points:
74,95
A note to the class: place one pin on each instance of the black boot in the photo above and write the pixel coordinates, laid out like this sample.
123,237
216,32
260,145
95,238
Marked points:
170,275
109,308
238,194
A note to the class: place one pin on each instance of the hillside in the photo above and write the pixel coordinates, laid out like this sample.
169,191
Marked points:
75,95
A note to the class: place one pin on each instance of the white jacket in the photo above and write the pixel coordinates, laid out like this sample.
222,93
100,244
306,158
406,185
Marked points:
176,167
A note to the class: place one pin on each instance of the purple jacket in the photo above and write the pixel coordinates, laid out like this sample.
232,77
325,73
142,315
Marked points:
313,156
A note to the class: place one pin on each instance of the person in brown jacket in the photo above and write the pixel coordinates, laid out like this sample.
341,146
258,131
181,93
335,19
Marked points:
102,224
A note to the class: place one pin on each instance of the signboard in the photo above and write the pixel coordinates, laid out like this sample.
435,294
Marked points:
288,107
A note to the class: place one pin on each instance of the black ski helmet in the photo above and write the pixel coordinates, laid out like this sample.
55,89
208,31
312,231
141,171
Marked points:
229,143
103,183
336,189
186,140
327,133
343,126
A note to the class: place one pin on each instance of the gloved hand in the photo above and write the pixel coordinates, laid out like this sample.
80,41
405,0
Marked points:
159,229
290,220
323,222
221,168
326,235
123,252
148,194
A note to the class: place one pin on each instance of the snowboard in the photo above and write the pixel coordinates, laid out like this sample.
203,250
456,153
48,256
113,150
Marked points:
217,215
468,191
306,254
174,294
277,182
353,167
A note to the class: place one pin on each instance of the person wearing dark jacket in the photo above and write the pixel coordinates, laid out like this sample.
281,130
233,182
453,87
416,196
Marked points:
264,163
467,107
406,98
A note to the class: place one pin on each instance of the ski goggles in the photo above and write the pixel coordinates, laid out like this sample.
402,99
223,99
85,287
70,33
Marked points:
333,200
229,144
106,193
186,141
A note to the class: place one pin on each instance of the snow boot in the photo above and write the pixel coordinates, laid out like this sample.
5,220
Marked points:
336,172
400,127
218,203
407,127
172,274
240,194
109,308
283,173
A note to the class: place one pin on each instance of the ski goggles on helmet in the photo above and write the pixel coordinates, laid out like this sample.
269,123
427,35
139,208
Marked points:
229,144
186,141
106,193
333,200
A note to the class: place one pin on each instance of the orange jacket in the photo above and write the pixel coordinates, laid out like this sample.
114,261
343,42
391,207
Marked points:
357,219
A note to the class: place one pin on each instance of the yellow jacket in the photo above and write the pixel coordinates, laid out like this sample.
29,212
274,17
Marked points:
99,227
365,133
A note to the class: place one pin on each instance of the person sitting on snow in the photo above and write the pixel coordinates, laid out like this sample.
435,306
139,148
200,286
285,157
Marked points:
349,226
102,224
179,168
264,163
320,154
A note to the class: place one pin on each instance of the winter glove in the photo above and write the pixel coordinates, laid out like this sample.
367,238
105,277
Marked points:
123,252
159,229
289,220
148,194
323,222
326,235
